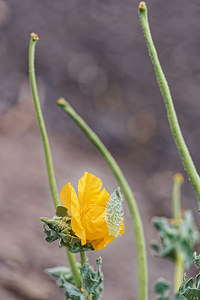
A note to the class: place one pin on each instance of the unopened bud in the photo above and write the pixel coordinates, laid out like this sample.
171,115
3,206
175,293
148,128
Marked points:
142,5
34,36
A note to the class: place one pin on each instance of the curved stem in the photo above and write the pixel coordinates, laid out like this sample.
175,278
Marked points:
172,117
47,151
136,219
49,162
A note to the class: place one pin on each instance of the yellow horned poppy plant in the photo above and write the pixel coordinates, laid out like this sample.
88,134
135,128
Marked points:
89,211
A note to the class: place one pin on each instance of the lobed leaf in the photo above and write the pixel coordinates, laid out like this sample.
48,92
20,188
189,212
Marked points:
92,281
190,289
175,237
162,288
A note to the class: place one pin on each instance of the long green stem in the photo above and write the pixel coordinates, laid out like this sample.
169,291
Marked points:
172,117
49,163
176,213
47,151
137,223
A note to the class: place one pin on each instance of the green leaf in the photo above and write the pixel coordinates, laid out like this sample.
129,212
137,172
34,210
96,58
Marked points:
173,237
162,288
62,272
65,280
178,297
92,282
192,294
190,289
72,292
196,259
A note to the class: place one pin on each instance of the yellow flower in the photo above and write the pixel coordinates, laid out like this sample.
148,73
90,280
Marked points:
89,219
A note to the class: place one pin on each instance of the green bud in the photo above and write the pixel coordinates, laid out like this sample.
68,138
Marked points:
59,228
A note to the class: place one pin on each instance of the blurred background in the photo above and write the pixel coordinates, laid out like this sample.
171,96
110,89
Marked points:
93,53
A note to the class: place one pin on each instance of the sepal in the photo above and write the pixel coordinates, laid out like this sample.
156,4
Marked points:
59,228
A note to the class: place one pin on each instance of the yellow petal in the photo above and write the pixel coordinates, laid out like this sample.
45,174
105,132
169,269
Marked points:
78,229
122,228
69,199
89,191
102,243
94,222
67,194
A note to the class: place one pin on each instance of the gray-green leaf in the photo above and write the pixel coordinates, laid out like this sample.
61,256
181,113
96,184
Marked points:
181,238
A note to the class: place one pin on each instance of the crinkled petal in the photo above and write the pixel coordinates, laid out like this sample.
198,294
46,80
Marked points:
78,229
89,191
69,199
94,222
102,243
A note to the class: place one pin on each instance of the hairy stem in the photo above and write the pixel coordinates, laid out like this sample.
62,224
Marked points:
176,213
49,163
172,117
136,219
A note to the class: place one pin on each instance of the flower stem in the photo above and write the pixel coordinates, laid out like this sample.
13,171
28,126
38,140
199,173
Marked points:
176,194
83,258
74,269
47,151
49,163
178,271
165,91
136,219
176,213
